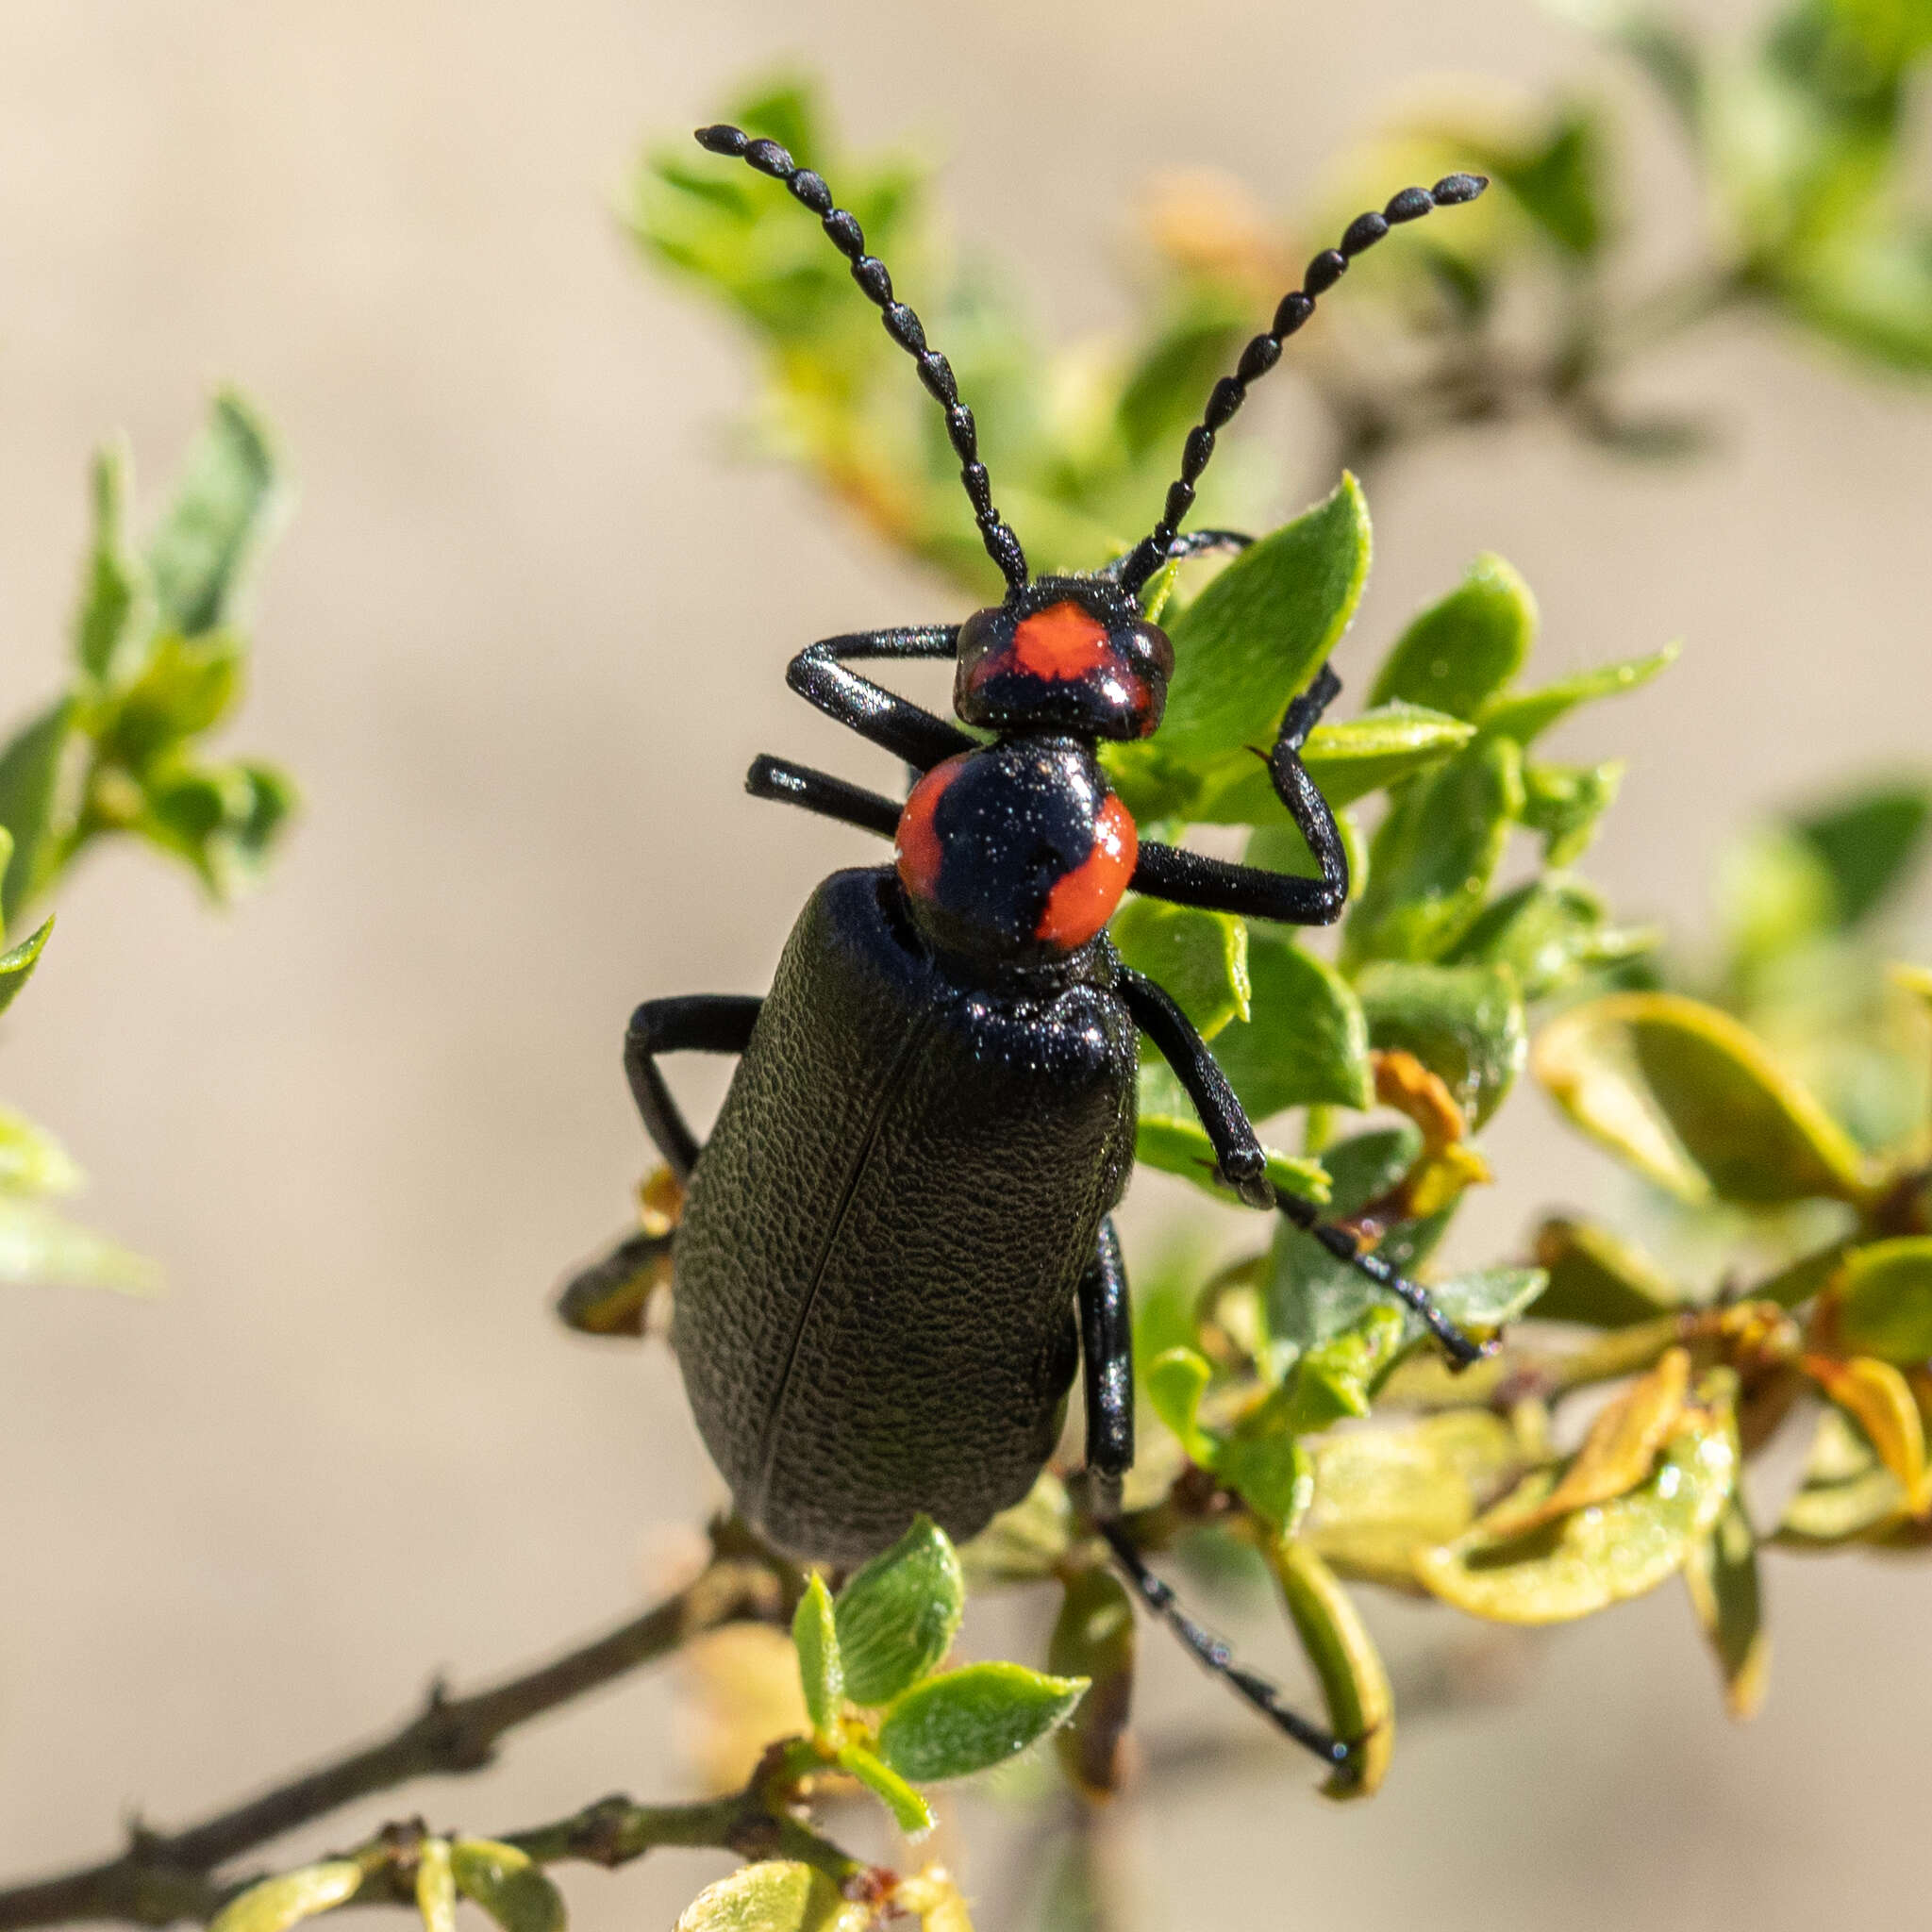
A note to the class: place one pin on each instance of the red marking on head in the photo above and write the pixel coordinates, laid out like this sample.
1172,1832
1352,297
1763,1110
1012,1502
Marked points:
1064,641
1082,902
916,844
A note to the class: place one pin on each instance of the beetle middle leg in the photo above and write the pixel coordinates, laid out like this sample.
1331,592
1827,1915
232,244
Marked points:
1106,1353
701,1022
1244,1166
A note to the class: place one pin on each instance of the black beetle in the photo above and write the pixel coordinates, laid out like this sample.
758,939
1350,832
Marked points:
895,1247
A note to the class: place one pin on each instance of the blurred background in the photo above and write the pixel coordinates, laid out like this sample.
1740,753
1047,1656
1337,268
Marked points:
526,629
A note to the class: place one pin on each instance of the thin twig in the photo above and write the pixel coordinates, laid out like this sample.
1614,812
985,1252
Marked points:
163,1876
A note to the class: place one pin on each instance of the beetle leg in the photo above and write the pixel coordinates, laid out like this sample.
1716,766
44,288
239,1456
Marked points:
1216,1655
702,1023
1188,878
819,675
819,792
1106,1360
1244,1166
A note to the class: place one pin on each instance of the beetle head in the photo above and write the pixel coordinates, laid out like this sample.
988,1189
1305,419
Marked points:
1064,653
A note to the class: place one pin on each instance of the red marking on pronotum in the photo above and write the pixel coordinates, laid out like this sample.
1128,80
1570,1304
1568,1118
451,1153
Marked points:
916,844
1083,901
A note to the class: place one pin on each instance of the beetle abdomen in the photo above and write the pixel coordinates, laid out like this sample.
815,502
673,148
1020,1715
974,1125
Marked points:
876,1269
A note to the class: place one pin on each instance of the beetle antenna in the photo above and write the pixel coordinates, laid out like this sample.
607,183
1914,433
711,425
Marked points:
902,324
1264,351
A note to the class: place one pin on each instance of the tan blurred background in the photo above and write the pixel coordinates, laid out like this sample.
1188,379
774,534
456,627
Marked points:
523,635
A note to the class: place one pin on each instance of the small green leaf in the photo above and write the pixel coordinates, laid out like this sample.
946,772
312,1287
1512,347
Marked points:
509,1885
1271,1472
1526,715
1775,896
1870,844
1597,1278
1549,933
224,509
1355,1684
1690,1098
186,686
898,1615
1591,1558
436,1886
911,1812
1721,1574
1177,1379
1487,1299
1262,629
1200,958
276,1904
973,1719
1459,652
775,1896
1313,1296
1304,1041
1170,1136
815,1638
1465,1023
1434,855
1094,1637
17,963
31,1160
1333,1379
41,1247
1346,761
110,621
1564,803
30,771
1885,1300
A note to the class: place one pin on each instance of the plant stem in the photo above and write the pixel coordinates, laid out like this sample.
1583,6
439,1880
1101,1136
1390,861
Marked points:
163,1876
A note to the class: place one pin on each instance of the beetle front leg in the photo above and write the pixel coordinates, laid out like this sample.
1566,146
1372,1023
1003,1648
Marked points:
817,792
909,731
701,1022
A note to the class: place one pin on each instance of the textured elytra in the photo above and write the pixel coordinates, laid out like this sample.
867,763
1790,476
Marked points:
876,1267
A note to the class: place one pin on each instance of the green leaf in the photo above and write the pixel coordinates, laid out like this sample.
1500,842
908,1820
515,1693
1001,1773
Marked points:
1304,1042
1721,1574
1177,1379
186,686
30,769
898,1615
1094,1637
1526,715
1775,896
1548,933
1332,1380
775,1896
18,962
1433,856
911,1812
1487,1299
111,617
1262,629
509,1885
436,1886
1597,1278
1870,844
1346,761
815,1638
1562,182
1459,652
1313,1296
1885,1300
276,1904
1161,399
1465,1023
1271,1472
1170,1136
1591,1558
1688,1096
225,507
1355,1684
973,1719
1870,290
41,1247
1200,958
1364,1167
31,1160
1564,803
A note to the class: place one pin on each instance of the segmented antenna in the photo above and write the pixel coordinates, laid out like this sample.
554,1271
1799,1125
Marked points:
902,324
1264,351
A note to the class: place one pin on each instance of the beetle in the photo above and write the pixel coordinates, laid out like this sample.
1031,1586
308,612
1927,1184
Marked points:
896,1248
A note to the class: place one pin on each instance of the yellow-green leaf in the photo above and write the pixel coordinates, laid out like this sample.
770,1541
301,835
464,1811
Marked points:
1347,761
509,1885
39,1246
1721,1575
436,1886
1595,1557
1304,1042
911,1812
1597,1278
1526,715
18,962
971,1719
1885,1300
1176,1380
276,1904
897,1616
1693,1099
1094,1637
1459,653
1200,958
1879,1400
776,1896
1355,1685
815,1638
